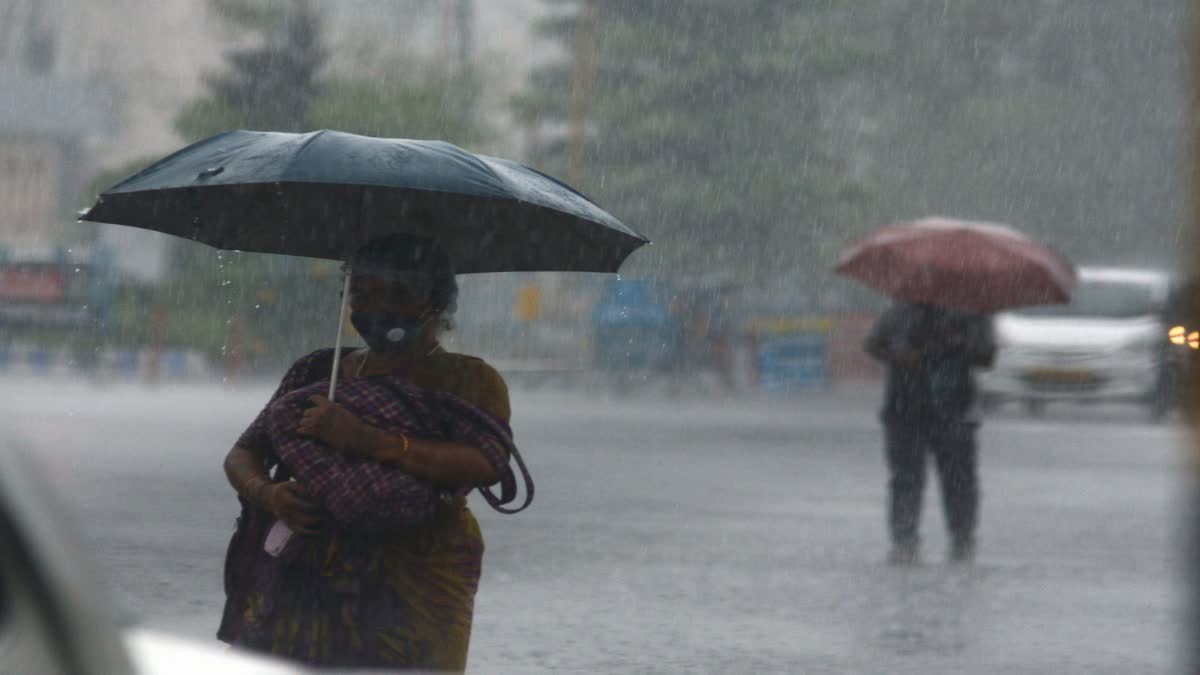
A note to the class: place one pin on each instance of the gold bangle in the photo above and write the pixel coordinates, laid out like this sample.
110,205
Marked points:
404,447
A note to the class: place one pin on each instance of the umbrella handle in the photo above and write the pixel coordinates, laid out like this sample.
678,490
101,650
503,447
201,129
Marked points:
337,344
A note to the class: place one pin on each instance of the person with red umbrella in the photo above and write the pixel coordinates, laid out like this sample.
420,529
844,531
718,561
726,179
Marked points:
946,277
931,353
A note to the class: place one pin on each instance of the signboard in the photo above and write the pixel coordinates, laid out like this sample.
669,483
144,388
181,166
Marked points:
793,352
793,362
53,288
529,303
57,315
36,283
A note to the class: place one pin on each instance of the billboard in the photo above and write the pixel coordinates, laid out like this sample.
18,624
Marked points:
37,283
57,288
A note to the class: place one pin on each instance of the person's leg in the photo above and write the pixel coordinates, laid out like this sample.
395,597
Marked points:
905,449
957,453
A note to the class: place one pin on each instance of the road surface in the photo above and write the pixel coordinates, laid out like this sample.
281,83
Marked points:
698,536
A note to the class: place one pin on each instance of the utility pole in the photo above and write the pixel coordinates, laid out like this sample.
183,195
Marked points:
570,302
27,36
581,93
464,23
457,33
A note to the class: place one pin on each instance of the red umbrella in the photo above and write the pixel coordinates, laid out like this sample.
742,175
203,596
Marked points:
979,267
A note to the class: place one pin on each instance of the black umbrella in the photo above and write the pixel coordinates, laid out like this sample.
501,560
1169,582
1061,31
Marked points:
324,194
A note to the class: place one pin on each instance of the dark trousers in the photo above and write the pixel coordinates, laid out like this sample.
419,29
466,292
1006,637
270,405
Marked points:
953,446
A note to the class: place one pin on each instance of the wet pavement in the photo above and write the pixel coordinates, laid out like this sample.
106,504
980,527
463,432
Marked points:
693,535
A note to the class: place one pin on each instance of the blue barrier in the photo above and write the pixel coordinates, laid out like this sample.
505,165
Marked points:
39,360
794,362
126,361
43,361
176,363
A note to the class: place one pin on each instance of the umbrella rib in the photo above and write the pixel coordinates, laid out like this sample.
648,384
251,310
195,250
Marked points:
312,138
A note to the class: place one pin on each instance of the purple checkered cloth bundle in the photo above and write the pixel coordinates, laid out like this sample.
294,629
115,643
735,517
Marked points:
367,495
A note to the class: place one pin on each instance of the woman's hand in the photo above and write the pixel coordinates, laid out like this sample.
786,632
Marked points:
289,502
331,423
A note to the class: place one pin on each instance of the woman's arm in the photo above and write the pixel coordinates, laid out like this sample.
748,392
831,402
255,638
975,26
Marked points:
245,467
246,471
442,462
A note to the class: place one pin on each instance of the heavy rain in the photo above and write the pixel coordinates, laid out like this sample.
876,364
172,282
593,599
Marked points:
836,336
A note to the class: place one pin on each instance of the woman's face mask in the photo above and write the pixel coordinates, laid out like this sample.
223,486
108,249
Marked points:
389,315
386,333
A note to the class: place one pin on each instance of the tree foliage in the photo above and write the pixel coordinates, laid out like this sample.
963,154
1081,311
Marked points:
761,137
281,81
705,130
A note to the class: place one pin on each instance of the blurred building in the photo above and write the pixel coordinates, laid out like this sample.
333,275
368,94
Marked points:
46,124
152,55
155,53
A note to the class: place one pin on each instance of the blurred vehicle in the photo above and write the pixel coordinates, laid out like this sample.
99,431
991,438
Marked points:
651,328
706,313
55,619
1106,345
1181,347
635,331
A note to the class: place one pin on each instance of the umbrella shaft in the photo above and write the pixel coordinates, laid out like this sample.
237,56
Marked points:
337,344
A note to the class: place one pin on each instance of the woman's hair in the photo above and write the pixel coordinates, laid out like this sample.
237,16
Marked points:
401,255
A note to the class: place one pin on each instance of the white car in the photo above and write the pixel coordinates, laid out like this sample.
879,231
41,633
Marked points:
1106,345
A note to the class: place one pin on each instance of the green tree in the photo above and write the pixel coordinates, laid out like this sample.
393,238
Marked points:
705,131
270,85
1056,117
282,83
764,136
420,105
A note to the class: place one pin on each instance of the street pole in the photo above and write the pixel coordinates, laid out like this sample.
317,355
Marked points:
233,348
158,336
464,20
581,93
583,76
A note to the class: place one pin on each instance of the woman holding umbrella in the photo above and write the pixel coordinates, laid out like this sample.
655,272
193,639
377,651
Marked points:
385,566
386,587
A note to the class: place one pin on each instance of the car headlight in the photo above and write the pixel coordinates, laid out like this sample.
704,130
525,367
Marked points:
1184,337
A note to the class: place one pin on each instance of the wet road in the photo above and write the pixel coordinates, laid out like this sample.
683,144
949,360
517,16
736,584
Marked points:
693,536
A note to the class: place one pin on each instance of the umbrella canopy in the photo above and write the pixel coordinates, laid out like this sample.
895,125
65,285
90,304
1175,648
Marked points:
324,194
978,267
